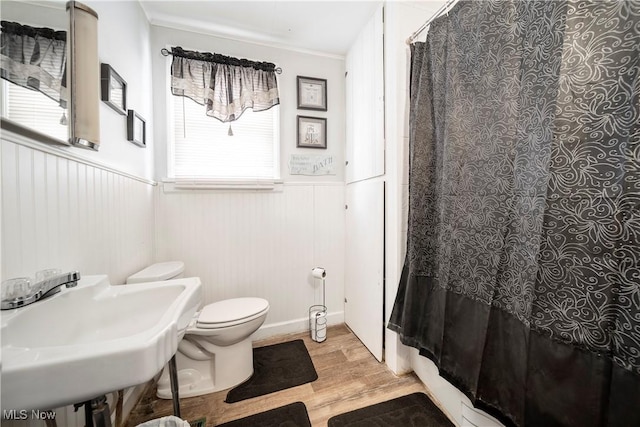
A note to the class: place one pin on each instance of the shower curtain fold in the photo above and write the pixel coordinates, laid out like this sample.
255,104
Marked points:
522,274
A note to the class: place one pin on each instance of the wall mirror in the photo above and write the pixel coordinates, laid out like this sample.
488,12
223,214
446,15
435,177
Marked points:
25,110
50,85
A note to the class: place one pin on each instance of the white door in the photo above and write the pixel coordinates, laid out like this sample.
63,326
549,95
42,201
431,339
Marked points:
364,92
364,269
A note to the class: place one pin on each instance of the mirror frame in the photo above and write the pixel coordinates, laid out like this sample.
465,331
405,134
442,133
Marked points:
18,129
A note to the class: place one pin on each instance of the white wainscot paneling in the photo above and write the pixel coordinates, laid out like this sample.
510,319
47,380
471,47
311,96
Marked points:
262,244
58,213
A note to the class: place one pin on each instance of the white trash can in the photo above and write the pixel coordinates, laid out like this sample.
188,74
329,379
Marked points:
169,421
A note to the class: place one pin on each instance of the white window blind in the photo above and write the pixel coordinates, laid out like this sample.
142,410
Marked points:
34,110
202,149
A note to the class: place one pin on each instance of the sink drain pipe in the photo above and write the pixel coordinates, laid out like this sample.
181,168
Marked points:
96,412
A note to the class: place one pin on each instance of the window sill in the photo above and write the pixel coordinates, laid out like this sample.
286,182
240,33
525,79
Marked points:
184,184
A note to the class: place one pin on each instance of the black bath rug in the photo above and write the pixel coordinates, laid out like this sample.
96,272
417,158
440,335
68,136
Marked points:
276,367
293,415
413,410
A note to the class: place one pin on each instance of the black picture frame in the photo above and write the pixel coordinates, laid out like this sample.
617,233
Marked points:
311,132
113,89
311,93
136,129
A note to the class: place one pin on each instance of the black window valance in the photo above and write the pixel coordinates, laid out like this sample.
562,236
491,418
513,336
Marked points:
34,58
226,86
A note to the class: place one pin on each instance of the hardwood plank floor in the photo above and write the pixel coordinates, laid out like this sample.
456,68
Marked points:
349,378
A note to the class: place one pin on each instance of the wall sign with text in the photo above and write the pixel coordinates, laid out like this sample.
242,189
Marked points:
306,164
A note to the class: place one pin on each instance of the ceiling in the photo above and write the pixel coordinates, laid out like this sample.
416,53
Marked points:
328,27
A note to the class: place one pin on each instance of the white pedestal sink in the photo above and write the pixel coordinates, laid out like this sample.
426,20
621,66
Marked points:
92,339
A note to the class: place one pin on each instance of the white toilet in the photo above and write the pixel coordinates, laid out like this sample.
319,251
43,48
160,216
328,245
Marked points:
216,352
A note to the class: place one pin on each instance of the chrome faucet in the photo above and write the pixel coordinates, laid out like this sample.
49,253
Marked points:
19,292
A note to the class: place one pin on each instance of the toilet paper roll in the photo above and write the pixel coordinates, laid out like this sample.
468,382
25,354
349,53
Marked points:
320,332
318,323
318,273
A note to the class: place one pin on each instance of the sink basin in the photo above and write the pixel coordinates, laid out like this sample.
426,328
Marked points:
92,339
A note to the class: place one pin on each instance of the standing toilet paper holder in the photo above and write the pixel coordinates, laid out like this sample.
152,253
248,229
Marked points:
317,312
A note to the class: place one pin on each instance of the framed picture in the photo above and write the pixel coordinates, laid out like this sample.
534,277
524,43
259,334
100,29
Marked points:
312,93
113,89
136,129
312,132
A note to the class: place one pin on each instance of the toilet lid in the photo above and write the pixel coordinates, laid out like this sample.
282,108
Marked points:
157,272
231,310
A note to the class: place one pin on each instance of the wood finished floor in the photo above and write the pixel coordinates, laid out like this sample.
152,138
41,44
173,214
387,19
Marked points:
348,378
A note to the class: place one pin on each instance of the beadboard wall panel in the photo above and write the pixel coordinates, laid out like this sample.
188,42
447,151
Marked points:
59,213
261,244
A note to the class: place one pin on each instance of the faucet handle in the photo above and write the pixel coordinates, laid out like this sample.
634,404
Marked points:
21,291
47,273
16,288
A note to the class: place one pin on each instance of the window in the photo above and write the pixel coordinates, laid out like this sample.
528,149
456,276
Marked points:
200,147
34,110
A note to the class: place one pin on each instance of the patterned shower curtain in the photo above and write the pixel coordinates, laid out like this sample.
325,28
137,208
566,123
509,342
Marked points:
522,274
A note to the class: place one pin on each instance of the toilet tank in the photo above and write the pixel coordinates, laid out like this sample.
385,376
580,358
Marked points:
157,272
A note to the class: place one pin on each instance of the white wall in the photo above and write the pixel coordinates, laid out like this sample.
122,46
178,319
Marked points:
293,63
75,214
123,43
75,209
60,213
260,243
402,19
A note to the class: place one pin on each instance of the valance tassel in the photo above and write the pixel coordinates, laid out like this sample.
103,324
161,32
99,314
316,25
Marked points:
230,133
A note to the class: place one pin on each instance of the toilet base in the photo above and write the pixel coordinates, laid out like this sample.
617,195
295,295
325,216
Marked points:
228,367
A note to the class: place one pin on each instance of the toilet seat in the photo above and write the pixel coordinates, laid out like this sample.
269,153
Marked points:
231,312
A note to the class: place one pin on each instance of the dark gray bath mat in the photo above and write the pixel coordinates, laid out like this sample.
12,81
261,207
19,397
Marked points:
276,367
293,415
413,410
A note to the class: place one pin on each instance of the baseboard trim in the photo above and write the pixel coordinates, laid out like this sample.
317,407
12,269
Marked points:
294,326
